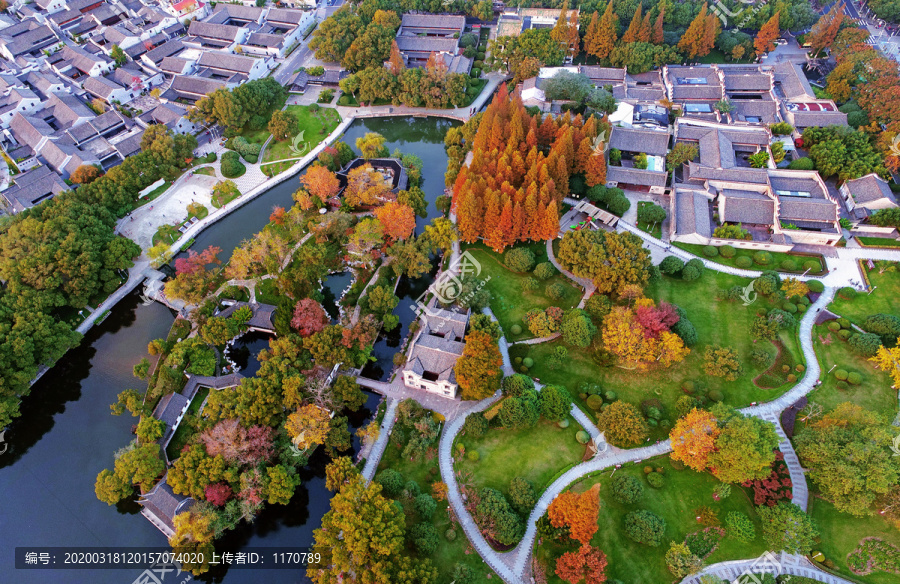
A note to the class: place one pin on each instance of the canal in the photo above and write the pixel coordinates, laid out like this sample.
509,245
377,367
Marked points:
66,435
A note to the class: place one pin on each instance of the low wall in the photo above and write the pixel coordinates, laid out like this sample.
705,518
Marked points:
759,245
874,231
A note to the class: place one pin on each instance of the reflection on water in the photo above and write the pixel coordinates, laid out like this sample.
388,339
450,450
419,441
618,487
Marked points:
244,352
333,288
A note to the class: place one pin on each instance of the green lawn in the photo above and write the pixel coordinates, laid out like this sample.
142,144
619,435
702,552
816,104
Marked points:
538,454
777,258
508,301
883,299
874,393
261,135
276,168
153,194
707,313
878,242
841,533
311,124
206,170
676,502
425,472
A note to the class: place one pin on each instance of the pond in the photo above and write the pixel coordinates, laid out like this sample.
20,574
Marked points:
332,289
244,352
66,435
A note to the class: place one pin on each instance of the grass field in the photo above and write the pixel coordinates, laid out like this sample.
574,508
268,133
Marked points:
883,298
314,127
537,454
707,313
676,502
777,258
261,135
508,301
841,534
874,393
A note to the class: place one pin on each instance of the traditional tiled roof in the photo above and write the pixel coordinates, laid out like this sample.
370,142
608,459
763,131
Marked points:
746,206
100,86
692,213
869,189
811,119
433,21
791,81
259,39
285,15
794,208
226,61
33,187
603,75
653,142
164,50
163,504
747,82
212,30
636,176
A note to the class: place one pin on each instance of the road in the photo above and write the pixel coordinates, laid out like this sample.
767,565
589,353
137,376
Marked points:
303,54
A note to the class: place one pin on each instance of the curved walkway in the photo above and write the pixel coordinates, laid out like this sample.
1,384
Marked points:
511,565
775,564
384,434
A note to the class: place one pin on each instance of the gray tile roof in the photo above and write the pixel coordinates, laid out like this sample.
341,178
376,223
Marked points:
794,208
749,175
164,50
810,119
262,315
747,81
791,81
174,65
100,86
870,188
427,44
211,30
33,187
226,61
170,407
433,21
435,355
195,86
259,39
603,75
747,207
636,176
692,213
651,142
285,16
162,502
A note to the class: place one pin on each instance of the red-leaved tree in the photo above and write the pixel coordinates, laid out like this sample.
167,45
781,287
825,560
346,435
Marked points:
775,487
218,493
309,317
587,565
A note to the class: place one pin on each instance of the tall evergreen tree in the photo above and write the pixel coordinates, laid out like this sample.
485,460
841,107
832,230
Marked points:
631,35
658,36
692,42
765,38
605,40
645,32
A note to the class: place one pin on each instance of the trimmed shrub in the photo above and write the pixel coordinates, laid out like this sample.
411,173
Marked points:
866,344
528,362
688,386
645,527
800,368
812,265
516,330
762,258
610,396
517,385
842,385
710,251
475,425
595,402
692,270
544,270
854,378
391,482
789,307
727,251
841,374
450,535
844,334
802,164
231,165
656,480
791,378
816,286
715,395
847,293
844,323
582,437
519,259
627,489
556,290
473,456
789,265
564,423
671,265
743,262
833,326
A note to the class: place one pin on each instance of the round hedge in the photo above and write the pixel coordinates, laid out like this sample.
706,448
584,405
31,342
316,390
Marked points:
789,307
801,308
519,259
844,322
688,386
528,362
791,378
582,437
231,165
715,395
594,402
800,368
844,334
847,293
816,286
523,369
544,270
834,326
555,291
516,330
726,251
656,480
785,368
610,396
789,266
473,455
517,360
812,265
854,378
710,251
743,262
841,374
763,258
564,423
450,534
842,385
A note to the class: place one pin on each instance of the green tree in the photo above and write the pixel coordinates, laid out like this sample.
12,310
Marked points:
786,527
744,448
150,429
118,55
645,527
280,484
577,328
194,471
681,561
847,456
441,233
622,424
555,402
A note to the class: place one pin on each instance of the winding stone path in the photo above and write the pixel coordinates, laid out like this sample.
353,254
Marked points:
384,434
511,566
775,564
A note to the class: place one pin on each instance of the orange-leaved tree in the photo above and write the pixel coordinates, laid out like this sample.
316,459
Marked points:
478,370
578,512
397,220
694,439
320,182
765,38
587,564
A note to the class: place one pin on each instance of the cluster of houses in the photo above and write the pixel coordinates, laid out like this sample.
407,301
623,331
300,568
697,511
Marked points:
725,111
78,75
